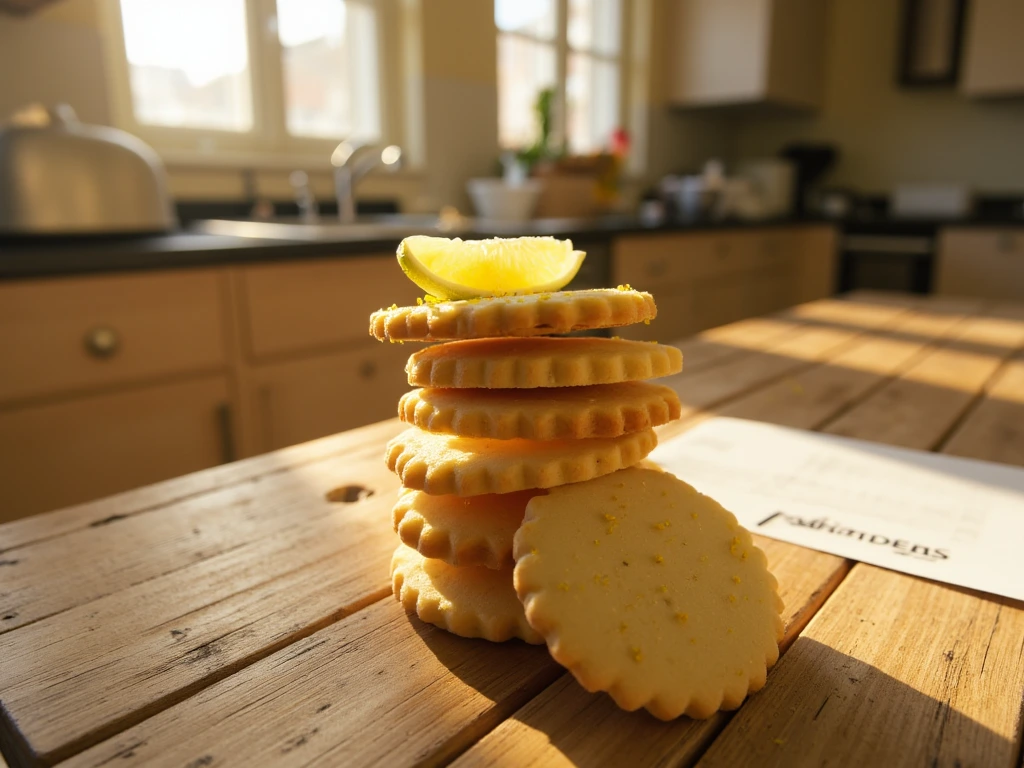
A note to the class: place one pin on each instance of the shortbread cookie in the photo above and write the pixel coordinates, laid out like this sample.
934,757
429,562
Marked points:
461,530
529,363
536,314
471,601
567,413
646,589
466,466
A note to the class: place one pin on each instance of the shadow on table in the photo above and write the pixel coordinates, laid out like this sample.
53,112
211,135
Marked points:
820,706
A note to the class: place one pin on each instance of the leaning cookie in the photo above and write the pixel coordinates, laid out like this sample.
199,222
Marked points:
470,602
461,530
646,589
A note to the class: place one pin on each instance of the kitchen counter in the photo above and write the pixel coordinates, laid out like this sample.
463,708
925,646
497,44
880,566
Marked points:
243,615
25,257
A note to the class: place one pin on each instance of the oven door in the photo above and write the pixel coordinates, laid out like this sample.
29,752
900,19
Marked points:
887,263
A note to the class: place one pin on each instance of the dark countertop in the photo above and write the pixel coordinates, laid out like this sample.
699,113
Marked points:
37,257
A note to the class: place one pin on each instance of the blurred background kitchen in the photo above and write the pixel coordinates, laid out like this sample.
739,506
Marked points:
200,199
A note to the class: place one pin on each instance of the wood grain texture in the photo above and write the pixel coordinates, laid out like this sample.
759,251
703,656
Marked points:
994,430
53,575
808,398
892,671
377,688
920,407
87,672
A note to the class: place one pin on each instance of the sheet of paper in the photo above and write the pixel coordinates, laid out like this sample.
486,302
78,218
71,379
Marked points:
954,520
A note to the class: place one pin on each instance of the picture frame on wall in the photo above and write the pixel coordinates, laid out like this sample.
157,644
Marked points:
931,43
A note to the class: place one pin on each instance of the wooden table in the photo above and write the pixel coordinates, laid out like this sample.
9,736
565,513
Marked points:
243,615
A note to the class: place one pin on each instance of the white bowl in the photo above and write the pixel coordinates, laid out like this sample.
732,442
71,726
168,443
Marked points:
494,199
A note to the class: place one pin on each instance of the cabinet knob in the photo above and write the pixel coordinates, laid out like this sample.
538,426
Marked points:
367,369
102,342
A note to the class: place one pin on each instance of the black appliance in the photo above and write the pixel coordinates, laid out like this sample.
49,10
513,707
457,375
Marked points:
812,161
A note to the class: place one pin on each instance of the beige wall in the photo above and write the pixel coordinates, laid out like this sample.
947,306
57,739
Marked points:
887,134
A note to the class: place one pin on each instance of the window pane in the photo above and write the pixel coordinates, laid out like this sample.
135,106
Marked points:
595,25
331,82
188,63
592,95
525,68
534,17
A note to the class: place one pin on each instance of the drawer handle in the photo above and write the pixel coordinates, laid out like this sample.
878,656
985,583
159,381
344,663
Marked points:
367,369
102,342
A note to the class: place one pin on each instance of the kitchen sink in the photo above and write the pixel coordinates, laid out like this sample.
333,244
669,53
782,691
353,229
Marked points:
397,226
365,228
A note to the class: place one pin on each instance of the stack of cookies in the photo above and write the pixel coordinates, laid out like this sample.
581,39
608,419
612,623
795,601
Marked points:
523,513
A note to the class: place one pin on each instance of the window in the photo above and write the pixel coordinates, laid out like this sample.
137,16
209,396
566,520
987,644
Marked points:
571,46
259,75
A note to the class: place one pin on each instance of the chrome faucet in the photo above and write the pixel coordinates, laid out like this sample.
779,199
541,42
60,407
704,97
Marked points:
353,161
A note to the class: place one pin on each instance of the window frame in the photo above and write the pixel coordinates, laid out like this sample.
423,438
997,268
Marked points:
562,48
268,143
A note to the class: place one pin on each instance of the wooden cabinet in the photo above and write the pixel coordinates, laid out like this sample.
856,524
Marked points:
295,401
993,63
82,448
988,263
117,381
748,51
301,306
81,333
705,279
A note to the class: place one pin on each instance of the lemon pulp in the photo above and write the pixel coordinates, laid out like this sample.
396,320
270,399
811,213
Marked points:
465,269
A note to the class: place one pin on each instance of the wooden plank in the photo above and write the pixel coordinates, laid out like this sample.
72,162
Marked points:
55,574
70,680
994,430
893,671
727,342
807,398
565,725
919,408
375,688
708,389
164,494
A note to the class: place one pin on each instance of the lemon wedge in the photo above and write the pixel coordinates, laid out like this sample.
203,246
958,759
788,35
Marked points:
466,269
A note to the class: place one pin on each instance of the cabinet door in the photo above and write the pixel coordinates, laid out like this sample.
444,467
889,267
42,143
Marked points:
993,52
76,450
301,400
986,262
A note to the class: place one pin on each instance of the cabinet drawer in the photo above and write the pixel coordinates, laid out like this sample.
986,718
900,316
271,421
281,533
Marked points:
89,447
79,333
301,400
314,304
